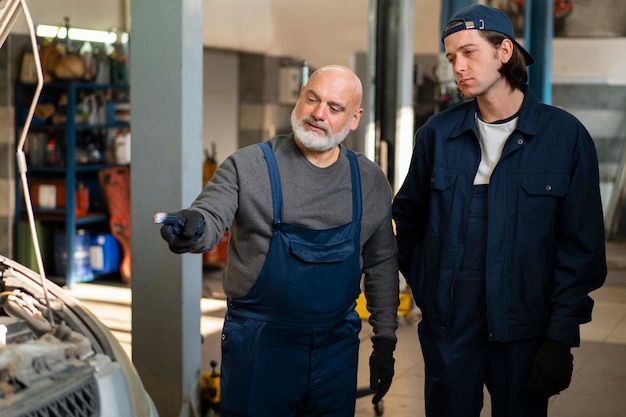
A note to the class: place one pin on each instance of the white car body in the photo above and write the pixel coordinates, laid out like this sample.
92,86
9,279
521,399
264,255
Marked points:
73,368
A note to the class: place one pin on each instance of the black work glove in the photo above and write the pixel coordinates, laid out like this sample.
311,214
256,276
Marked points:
551,370
182,229
381,368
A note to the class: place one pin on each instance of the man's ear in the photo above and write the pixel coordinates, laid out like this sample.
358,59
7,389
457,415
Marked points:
506,50
356,118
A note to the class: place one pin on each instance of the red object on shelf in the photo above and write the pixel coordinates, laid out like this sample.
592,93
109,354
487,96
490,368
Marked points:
115,183
50,195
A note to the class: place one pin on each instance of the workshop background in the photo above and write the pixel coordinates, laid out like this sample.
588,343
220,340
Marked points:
251,56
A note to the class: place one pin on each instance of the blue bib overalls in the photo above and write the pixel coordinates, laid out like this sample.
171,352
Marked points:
459,364
290,345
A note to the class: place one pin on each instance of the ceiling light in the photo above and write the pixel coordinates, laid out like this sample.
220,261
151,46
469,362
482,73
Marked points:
60,32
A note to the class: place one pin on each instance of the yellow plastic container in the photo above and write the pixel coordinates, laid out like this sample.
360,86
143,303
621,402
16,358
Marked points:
404,308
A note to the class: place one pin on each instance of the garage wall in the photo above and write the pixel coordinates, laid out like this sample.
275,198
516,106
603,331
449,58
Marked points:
10,55
220,104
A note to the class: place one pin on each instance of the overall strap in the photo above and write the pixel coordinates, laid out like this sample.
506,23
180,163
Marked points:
356,185
277,193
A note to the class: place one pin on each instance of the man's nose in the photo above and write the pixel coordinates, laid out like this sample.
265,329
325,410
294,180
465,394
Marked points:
458,66
319,111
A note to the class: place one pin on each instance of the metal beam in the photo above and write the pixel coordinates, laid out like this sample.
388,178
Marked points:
166,100
538,35
389,86
405,113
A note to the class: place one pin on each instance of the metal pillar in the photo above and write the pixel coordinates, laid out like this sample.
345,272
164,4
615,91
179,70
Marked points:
385,91
538,34
405,113
390,84
166,100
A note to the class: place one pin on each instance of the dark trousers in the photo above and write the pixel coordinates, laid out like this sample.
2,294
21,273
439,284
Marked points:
460,364
271,370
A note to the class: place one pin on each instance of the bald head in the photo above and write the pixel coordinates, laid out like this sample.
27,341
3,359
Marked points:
343,79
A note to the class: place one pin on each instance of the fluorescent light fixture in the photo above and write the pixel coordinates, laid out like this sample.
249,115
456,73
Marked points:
49,31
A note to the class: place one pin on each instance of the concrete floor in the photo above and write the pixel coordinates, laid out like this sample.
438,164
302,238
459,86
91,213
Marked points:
597,388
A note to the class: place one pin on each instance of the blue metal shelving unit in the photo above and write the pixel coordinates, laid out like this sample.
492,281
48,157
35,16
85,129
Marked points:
70,171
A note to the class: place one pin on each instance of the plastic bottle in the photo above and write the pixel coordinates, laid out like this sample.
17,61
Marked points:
82,261
89,62
122,147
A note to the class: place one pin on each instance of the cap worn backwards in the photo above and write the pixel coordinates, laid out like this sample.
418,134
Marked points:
481,17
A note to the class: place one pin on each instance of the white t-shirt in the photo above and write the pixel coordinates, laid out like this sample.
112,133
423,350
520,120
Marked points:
492,137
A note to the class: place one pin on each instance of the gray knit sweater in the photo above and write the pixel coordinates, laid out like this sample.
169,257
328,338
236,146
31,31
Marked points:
239,198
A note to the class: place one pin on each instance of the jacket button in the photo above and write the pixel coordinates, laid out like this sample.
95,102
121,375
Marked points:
520,141
432,180
548,187
223,336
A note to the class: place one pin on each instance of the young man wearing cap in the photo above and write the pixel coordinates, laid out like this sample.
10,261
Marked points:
500,231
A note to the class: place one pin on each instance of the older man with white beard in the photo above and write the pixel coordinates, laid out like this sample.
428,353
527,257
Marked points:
307,219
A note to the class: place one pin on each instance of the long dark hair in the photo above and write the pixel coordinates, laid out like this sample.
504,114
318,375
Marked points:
515,70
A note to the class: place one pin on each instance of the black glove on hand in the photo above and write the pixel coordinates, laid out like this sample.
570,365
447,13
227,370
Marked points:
551,370
182,229
381,368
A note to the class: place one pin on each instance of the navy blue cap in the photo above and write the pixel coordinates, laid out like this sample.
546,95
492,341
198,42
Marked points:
481,17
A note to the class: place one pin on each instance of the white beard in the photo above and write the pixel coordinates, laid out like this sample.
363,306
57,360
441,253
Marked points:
313,140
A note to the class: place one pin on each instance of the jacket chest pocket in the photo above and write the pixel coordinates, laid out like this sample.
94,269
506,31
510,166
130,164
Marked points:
442,191
539,198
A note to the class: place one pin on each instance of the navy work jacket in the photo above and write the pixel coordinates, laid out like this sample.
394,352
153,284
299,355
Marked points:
545,239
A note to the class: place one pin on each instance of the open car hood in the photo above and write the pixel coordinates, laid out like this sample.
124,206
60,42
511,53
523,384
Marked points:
73,368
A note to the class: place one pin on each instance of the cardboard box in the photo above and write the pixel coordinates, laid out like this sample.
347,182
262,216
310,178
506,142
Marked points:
50,195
